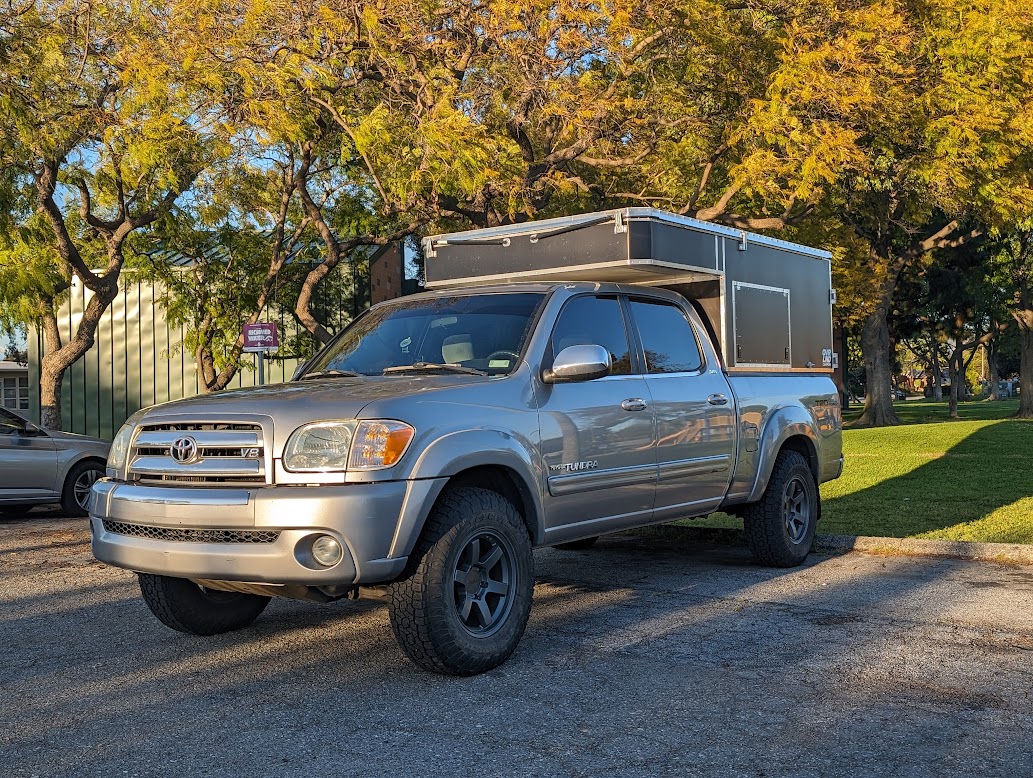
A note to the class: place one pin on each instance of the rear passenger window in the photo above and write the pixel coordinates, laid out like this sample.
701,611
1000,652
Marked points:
667,337
594,321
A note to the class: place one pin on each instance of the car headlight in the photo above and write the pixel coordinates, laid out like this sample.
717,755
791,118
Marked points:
329,446
319,447
120,445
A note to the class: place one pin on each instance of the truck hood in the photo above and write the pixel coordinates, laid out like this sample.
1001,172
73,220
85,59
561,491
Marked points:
298,402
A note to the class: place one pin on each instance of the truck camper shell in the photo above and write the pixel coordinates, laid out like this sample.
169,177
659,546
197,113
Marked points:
767,302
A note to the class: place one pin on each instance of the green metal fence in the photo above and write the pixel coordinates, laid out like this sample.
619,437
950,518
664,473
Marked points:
136,361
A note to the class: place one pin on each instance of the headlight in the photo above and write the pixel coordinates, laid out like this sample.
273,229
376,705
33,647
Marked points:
334,446
319,447
120,445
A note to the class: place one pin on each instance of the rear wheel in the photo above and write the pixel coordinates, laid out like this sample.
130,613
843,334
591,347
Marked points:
464,603
75,496
780,527
187,607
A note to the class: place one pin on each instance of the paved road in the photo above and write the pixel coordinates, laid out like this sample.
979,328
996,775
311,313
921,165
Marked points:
642,657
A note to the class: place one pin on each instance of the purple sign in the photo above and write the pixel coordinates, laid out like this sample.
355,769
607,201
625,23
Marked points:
264,336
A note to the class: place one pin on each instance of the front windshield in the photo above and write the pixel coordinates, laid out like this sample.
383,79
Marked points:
479,332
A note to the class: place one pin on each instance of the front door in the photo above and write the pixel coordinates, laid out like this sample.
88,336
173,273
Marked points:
597,436
28,460
693,408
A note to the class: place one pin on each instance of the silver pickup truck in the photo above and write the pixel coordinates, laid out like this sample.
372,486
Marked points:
440,438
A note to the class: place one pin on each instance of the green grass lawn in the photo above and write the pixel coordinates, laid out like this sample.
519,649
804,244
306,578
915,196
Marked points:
968,479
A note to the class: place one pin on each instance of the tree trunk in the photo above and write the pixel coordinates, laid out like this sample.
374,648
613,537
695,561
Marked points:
50,373
875,345
937,384
1025,319
995,375
57,357
956,371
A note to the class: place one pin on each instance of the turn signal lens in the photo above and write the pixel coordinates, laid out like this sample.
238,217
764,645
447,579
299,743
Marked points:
379,444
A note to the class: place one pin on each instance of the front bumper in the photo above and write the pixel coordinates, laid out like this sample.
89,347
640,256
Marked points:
258,535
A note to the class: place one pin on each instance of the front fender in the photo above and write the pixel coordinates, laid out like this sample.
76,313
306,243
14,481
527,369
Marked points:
782,424
454,453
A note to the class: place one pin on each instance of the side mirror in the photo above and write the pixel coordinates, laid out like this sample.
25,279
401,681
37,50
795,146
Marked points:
299,370
32,430
578,363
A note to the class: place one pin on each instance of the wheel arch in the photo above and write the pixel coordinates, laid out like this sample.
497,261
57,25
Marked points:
89,458
508,483
789,429
480,458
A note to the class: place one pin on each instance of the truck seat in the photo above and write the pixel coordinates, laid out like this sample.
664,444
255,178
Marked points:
456,349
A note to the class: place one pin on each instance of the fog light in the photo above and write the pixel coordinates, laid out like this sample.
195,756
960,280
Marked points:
326,551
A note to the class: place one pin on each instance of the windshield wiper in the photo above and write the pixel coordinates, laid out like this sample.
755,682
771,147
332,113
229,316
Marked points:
331,374
433,366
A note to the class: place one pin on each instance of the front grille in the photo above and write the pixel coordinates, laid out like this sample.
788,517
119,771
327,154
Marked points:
229,480
191,426
192,535
219,454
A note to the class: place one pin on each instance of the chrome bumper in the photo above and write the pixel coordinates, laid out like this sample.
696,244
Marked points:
256,535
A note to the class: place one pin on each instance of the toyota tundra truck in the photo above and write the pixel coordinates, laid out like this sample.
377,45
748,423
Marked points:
558,381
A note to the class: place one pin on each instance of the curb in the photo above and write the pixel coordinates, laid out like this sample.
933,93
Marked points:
1013,553
1008,553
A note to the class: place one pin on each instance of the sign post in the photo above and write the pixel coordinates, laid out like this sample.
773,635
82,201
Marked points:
258,339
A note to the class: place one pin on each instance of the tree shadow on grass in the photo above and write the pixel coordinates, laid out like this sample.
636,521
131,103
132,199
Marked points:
988,470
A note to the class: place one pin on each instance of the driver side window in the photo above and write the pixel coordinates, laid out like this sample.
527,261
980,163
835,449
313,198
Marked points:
11,424
594,321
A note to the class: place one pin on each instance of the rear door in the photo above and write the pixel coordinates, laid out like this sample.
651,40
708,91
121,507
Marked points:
597,436
28,461
693,407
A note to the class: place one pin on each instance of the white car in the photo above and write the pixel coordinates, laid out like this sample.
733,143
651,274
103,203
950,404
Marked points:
39,467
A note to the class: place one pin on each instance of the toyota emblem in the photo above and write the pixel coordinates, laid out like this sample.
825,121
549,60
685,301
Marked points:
184,450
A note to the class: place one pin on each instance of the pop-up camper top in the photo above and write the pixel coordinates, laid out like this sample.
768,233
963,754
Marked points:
767,302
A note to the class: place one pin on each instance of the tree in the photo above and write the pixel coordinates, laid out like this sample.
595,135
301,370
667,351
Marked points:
948,139
14,354
224,260
1015,253
94,150
964,299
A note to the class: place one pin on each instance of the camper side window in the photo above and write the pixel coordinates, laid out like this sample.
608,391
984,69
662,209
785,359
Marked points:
667,337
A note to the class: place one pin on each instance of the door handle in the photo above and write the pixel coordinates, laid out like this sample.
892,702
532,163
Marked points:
634,404
717,399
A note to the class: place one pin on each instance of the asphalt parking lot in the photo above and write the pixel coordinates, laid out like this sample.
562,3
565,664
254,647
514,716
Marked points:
644,656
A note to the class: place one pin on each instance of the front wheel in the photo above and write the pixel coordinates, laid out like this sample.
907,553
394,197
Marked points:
464,603
75,495
780,527
187,607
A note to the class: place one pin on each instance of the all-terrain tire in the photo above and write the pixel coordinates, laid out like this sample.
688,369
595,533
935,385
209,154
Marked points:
76,490
463,603
186,607
577,545
780,527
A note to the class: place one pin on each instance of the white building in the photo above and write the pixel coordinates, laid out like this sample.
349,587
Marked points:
14,386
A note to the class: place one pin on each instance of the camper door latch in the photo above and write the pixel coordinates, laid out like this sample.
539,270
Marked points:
619,225
743,244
